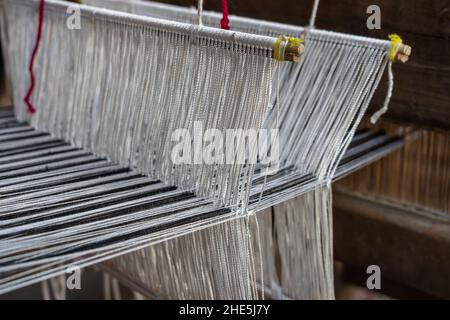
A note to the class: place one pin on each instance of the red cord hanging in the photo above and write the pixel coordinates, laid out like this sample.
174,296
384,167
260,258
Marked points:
225,23
27,98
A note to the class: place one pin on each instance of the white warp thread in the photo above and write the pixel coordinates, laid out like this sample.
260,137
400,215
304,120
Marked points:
124,87
312,19
377,115
200,11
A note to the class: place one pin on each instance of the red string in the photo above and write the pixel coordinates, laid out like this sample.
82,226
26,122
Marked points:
27,99
225,23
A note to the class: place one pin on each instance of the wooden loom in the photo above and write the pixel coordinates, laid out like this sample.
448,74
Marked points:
441,239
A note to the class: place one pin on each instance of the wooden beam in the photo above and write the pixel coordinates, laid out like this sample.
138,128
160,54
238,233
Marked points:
390,287
422,86
409,247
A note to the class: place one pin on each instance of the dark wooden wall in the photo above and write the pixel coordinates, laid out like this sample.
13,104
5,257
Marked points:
422,86
411,249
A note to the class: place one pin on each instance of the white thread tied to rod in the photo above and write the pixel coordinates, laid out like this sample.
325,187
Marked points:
398,51
377,115
200,12
312,19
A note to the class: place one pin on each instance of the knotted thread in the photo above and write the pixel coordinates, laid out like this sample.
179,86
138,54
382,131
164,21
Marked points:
396,41
312,19
280,45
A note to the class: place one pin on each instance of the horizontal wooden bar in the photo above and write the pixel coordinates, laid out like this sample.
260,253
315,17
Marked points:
409,247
